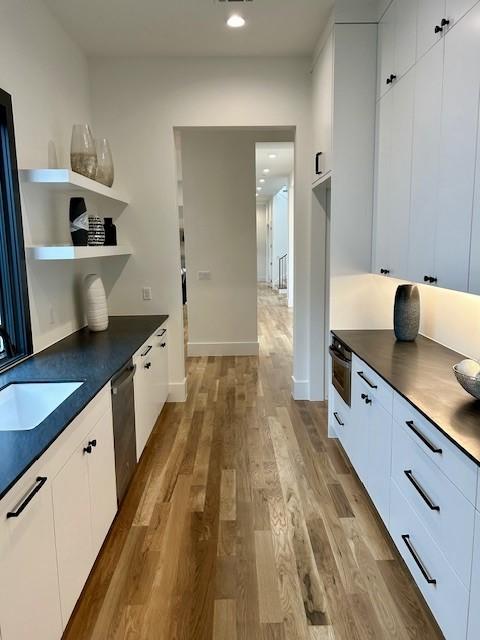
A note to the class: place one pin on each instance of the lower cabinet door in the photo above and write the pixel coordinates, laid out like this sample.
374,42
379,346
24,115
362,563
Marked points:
357,443
102,480
378,469
73,529
474,610
160,371
142,383
29,597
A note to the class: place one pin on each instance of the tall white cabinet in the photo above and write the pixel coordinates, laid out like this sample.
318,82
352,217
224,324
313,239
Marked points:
426,226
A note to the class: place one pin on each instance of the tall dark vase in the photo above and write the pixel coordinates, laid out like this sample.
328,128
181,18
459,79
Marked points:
406,314
78,222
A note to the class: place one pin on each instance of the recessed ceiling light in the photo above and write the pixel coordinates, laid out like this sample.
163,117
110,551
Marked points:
272,156
262,180
266,171
235,21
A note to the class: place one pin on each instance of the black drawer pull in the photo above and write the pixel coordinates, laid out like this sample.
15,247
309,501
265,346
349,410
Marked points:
162,333
317,163
87,449
421,490
147,350
366,398
365,379
418,562
335,415
163,345
39,482
148,365
411,425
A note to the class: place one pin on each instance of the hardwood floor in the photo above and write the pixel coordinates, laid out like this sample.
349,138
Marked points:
244,522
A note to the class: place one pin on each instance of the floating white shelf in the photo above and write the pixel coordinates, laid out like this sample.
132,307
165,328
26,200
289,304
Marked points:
69,182
69,252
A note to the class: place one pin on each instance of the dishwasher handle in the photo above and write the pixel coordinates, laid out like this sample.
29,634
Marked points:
123,380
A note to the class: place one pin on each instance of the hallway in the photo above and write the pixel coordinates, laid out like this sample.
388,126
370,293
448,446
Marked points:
244,522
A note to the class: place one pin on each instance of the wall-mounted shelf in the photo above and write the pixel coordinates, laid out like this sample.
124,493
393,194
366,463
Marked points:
69,252
70,183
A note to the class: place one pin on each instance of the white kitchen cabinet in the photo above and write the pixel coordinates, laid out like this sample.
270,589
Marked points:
456,9
405,35
393,178
73,530
29,596
474,275
357,449
474,609
379,457
386,49
160,370
323,109
430,15
102,481
458,152
425,164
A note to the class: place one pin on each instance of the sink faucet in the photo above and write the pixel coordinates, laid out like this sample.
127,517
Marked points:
7,343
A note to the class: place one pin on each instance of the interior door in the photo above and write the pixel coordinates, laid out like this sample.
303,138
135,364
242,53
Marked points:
458,152
426,164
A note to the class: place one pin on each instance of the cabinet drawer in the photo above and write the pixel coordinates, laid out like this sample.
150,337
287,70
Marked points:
338,414
159,335
373,384
446,514
448,458
442,589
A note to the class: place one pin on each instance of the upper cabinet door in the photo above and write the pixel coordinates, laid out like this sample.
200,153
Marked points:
458,8
323,110
458,152
425,164
405,36
386,49
430,15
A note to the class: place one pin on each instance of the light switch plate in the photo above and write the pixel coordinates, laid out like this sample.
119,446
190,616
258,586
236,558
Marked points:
147,293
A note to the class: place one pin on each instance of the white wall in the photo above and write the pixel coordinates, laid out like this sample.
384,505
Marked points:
47,76
137,102
261,243
220,238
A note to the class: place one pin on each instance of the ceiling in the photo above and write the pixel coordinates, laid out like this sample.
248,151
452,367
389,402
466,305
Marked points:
192,27
280,167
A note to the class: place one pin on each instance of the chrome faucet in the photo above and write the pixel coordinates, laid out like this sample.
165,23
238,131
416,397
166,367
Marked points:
7,343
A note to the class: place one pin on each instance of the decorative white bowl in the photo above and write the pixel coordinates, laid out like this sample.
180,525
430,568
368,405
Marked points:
471,384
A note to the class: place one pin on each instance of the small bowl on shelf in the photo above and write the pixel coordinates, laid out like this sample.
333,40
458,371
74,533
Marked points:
471,383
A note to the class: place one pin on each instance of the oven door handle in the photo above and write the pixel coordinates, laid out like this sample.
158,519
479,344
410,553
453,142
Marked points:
336,355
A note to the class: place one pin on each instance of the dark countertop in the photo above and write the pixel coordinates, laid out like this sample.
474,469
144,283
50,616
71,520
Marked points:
92,357
421,372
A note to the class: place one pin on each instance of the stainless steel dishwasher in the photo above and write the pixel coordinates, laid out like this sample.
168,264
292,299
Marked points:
123,406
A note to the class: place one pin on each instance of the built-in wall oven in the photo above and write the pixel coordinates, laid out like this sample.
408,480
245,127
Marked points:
341,369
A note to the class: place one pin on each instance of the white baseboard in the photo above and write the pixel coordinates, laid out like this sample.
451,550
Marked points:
300,389
177,391
196,349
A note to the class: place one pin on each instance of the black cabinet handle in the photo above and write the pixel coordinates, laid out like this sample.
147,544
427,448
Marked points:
317,163
391,78
366,398
385,272
92,443
148,365
162,333
421,490
87,449
430,279
335,415
411,425
163,345
147,350
418,562
365,379
438,29
39,482
445,22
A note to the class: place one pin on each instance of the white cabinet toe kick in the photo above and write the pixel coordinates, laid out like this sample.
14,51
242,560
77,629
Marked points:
424,489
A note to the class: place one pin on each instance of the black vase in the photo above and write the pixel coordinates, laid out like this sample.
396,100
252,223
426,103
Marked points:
78,222
406,314
110,233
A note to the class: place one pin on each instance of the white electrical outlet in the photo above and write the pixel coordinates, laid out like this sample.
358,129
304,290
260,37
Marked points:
204,275
147,293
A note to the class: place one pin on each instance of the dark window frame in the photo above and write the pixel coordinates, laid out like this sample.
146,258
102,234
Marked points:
14,301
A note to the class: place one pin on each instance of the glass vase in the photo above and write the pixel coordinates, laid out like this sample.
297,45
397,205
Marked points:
104,162
83,156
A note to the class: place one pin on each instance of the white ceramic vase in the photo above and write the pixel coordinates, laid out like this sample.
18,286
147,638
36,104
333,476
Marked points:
96,303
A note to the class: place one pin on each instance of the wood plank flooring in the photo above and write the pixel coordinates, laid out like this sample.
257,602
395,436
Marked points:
244,522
